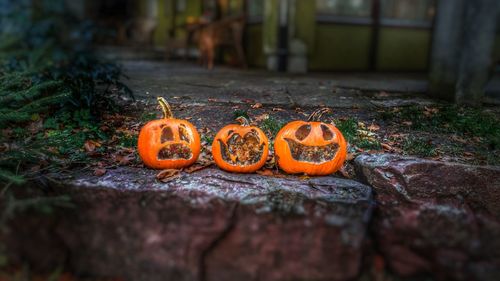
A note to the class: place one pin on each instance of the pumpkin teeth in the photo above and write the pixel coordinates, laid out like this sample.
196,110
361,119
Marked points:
175,151
313,154
242,151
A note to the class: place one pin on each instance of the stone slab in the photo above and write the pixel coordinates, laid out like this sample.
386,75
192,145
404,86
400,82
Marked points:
436,218
209,225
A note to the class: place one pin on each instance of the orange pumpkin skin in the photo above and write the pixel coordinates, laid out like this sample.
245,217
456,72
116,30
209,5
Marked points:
161,142
220,143
315,138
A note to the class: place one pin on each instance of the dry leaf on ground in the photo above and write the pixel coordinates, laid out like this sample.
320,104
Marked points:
99,172
91,145
386,147
261,117
257,105
197,167
168,175
373,127
265,172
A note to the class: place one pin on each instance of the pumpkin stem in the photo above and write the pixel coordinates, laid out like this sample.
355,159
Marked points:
165,108
317,114
243,121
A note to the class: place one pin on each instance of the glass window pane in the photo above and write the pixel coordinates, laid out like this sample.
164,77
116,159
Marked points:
353,8
255,8
416,10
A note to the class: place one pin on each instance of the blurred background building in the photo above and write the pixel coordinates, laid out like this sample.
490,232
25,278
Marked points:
457,42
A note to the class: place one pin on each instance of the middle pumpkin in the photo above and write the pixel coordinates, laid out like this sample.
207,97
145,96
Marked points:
240,148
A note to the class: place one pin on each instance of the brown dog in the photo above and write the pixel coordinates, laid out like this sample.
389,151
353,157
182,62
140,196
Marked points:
225,32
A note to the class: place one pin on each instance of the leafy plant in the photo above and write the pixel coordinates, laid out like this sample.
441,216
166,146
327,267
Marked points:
271,125
53,89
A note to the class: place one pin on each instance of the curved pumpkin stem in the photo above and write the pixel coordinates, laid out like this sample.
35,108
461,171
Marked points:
317,114
165,108
243,121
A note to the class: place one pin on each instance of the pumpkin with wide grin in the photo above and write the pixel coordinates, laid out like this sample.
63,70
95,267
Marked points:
310,147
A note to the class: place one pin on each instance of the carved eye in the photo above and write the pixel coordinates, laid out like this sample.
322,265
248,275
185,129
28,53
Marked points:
183,133
166,134
327,133
303,132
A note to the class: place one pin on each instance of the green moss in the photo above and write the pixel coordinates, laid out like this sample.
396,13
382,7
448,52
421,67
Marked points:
351,131
419,147
271,126
463,121
207,139
147,116
240,113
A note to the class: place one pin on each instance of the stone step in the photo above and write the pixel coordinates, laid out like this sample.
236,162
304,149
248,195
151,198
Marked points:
436,218
208,225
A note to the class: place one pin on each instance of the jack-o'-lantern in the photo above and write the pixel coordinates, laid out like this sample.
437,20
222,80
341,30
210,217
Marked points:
240,148
168,143
310,147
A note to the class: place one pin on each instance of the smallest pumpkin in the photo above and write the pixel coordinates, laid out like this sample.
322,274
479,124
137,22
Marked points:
240,148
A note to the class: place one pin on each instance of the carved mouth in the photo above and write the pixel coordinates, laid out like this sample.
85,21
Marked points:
244,151
175,151
313,154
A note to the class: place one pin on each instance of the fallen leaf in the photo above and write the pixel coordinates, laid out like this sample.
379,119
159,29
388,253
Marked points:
386,147
168,175
91,145
468,154
197,166
278,109
124,160
350,156
373,127
265,172
248,100
257,105
382,94
36,126
429,111
99,172
343,171
458,139
261,117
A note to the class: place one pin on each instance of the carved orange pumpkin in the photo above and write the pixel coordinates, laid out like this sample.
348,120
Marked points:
240,148
168,143
313,148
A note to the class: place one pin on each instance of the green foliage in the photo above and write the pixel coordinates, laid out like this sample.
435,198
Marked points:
477,131
147,116
451,119
49,74
46,62
271,126
351,130
419,146
240,113
207,139
11,177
